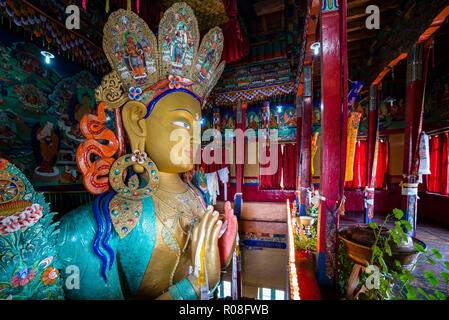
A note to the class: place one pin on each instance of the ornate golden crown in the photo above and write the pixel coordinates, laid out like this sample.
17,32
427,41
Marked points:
146,69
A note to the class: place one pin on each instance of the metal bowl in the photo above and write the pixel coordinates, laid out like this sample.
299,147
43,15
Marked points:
361,253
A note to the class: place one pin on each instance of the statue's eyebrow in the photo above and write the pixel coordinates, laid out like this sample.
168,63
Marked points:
183,110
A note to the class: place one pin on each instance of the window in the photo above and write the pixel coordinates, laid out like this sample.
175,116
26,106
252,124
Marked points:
224,289
271,294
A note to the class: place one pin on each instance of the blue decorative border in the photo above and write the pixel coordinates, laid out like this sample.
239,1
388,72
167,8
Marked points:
153,102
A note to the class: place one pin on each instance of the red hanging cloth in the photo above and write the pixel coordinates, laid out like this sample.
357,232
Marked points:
433,180
359,180
277,176
382,163
444,185
236,44
273,179
289,160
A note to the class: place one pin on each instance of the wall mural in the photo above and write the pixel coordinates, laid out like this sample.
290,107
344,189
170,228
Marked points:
282,117
40,113
436,105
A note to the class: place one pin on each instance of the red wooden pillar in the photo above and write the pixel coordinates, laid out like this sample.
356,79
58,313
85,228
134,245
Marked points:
417,61
240,116
306,145
371,154
331,137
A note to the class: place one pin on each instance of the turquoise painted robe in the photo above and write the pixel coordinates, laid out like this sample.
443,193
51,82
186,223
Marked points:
131,255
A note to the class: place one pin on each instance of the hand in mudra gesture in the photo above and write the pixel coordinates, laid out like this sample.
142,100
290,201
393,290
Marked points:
217,247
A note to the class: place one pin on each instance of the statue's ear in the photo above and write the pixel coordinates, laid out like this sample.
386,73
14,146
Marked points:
133,113
135,126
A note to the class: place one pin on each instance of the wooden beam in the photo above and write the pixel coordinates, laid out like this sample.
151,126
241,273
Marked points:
361,14
358,3
268,6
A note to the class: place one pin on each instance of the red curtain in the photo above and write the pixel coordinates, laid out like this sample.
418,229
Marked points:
434,179
236,44
359,180
273,180
444,183
360,166
289,164
213,166
382,163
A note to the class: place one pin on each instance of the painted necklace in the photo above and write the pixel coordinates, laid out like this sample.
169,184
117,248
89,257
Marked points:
169,218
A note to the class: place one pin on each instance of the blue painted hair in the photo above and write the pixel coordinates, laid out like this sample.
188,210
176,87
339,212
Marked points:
101,206
152,104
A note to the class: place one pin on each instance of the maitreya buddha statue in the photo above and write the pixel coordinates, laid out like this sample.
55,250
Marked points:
148,234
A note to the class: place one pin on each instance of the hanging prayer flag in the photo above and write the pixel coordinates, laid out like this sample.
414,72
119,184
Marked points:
353,128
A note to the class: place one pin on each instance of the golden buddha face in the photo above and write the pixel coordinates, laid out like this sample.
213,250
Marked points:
167,134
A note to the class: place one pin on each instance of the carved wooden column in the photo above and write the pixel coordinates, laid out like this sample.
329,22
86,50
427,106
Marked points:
306,144
240,117
417,61
331,137
371,154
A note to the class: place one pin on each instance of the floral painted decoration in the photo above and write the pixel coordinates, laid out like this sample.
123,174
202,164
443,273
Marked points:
139,157
29,264
175,82
49,276
135,93
22,277
20,220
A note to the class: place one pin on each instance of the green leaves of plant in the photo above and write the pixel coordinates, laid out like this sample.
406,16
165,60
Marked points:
437,253
373,225
431,261
411,292
445,276
431,277
419,247
398,213
440,295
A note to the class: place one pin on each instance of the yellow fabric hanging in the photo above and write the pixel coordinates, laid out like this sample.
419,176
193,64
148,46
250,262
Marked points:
129,6
353,129
314,147
107,6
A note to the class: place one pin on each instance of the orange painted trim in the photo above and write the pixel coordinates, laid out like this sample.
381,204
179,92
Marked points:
388,68
434,26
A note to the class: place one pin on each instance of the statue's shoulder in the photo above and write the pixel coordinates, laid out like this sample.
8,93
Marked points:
77,223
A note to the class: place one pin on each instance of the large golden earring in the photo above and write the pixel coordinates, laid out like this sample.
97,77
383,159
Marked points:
125,208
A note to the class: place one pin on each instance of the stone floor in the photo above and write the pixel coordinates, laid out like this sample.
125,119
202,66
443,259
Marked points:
434,235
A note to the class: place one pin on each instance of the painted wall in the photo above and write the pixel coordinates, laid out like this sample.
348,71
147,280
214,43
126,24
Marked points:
40,108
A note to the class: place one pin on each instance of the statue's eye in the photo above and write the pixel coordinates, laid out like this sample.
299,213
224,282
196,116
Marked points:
181,124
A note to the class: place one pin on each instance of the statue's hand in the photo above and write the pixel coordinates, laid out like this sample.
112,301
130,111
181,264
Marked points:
226,243
207,232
